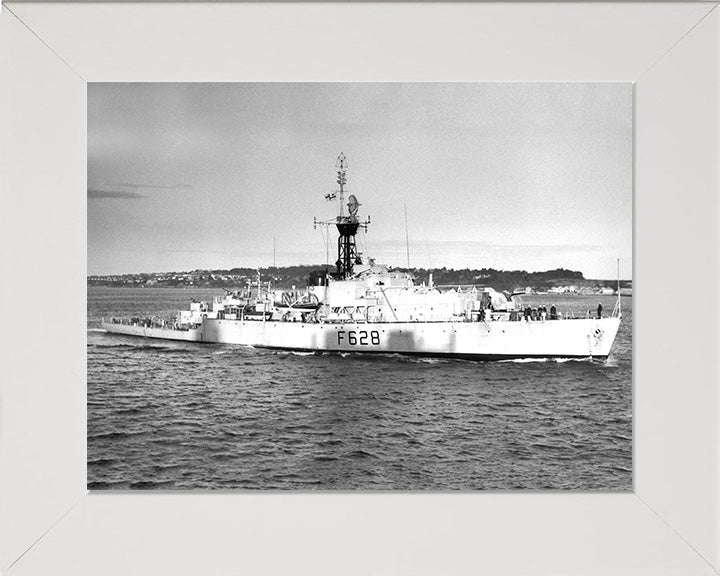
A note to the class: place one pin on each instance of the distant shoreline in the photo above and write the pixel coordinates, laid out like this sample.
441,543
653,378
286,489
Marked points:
557,281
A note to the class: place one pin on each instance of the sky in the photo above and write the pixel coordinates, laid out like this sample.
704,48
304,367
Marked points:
530,176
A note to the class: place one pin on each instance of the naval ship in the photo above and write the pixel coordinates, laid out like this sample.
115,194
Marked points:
362,306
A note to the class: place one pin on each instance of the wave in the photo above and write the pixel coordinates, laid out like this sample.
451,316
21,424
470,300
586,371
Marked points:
112,435
139,348
421,359
101,461
325,458
362,454
555,360
284,353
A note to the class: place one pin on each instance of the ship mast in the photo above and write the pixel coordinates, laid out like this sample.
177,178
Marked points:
347,225
341,165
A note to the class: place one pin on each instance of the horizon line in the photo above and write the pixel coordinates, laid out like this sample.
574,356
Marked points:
331,266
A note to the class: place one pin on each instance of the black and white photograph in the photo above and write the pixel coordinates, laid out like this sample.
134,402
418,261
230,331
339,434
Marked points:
359,286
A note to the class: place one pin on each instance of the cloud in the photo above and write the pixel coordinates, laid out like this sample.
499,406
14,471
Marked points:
155,186
121,190
98,194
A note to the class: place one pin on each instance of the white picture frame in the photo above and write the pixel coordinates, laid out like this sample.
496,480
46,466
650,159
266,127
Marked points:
50,524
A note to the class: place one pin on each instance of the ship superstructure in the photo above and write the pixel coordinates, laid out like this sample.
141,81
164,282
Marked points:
363,306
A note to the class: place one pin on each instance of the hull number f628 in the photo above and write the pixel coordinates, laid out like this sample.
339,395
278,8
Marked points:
358,337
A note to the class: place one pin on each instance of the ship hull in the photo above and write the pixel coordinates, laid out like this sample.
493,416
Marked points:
576,338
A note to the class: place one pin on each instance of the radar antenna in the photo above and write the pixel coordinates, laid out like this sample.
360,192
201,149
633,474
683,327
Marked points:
347,225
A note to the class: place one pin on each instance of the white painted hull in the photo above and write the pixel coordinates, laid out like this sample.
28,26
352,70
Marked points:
576,338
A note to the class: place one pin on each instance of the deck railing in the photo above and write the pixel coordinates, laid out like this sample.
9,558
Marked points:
152,322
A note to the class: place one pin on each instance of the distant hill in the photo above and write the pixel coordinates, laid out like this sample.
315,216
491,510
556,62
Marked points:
287,276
